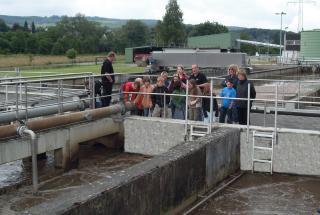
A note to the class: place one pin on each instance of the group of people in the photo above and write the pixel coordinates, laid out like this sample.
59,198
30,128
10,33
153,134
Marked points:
167,98
235,92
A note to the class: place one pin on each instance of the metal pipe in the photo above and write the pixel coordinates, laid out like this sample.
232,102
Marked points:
23,130
26,101
211,105
164,105
186,111
276,115
67,119
248,113
299,88
40,111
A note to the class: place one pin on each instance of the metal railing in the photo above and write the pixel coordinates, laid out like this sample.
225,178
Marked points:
62,93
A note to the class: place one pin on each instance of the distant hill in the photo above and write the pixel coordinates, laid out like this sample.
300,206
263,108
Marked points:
52,20
235,28
258,34
261,35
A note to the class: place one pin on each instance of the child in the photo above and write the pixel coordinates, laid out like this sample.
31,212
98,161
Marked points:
160,110
228,104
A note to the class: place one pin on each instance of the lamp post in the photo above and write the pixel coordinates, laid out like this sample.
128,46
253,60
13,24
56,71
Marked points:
281,14
285,44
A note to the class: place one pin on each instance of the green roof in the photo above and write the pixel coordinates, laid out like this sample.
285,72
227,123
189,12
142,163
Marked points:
220,41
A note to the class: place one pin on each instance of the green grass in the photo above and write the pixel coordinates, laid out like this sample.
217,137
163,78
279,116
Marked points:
118,68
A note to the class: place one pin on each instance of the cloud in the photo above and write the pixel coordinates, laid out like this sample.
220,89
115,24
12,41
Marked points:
246,13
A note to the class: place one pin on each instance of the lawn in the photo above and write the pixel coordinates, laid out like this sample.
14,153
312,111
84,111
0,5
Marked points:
118,68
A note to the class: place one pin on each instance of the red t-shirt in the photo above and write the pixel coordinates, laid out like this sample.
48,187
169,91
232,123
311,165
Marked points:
126,88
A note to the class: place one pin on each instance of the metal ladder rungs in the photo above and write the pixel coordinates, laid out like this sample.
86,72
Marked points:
263,148
263,135
262,161
194,132
200,132
198,135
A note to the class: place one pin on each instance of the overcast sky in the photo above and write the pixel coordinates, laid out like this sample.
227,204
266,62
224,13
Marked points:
244,13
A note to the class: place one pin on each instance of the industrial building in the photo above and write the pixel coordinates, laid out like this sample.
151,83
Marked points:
224,41
310,44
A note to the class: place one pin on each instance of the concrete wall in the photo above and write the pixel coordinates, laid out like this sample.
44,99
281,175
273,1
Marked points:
152,136
157,185
296,152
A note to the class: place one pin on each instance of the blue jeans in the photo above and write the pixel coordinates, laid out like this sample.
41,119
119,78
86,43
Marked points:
179,113
227,112
147,111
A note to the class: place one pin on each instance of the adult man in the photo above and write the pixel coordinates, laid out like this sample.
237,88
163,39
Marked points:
197,75
107,79
130,88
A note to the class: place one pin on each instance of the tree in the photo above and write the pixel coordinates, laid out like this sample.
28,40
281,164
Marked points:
26,26
71,53
33,28
208,28
3,26
5,46
171,29
135,33
16,27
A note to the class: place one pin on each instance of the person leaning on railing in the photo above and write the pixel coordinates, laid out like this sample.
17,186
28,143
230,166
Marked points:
177,102
182,74
242,92
159,100
206,101
143,101
129,88
194,101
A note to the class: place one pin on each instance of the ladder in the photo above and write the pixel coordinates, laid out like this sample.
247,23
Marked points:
198,131
265,144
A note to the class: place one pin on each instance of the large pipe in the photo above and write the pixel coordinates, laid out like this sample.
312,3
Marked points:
6,117
23,130
62,120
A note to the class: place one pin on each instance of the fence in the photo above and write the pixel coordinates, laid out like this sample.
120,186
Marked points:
281,103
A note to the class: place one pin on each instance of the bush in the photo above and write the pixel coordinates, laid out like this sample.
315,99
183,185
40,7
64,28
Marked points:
71,53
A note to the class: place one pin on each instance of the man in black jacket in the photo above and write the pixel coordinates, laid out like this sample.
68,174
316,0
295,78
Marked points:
242,92
197,75
107,78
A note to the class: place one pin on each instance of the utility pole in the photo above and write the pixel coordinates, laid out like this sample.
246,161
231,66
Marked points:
281,14
300,11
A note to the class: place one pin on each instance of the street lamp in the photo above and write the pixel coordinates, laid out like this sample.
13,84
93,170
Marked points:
281,14
285,44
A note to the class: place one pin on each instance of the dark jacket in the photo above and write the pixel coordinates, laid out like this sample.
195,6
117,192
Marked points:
159,99
242,92
234,79
206,106
200,78
106,68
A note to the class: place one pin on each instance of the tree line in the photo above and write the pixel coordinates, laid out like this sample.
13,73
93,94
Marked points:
89,37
